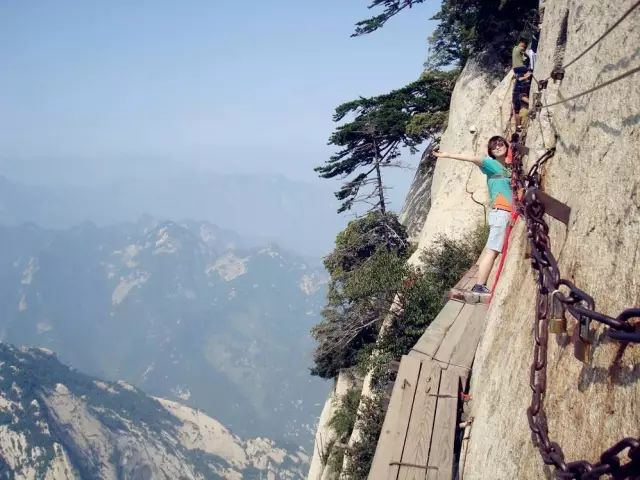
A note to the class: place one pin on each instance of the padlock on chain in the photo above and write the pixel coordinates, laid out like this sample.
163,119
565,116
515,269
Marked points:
583,343
557,320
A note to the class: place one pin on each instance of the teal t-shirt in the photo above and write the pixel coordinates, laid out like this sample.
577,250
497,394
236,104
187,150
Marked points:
498,183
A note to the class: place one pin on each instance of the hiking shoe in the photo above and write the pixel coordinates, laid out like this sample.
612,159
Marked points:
478,288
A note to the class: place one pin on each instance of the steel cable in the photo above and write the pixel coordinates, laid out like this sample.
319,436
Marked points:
607,32
597,87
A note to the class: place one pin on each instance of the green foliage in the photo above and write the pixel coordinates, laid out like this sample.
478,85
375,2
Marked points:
361,239
423,294
344,417
471,26
342,422
366,268
361,453
378,364
465,27
335,460
377,130
391,8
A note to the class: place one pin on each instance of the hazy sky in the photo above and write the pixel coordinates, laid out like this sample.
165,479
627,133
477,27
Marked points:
99,90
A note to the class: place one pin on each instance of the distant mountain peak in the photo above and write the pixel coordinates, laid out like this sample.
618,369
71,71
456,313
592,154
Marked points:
58,423
187,325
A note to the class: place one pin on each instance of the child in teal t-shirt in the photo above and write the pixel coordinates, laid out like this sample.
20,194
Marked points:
500,197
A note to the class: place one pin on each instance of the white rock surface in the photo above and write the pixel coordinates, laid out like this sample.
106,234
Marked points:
205,433
29,271
88,428
127,284
311,283
228,266
595,171
324,433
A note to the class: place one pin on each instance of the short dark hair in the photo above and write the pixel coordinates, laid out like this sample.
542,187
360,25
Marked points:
492,143
523,40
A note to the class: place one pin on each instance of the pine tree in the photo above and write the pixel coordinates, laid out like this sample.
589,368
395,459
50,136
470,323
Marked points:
379,127
465,27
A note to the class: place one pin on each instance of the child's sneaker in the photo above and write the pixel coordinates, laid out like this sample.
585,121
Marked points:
478,288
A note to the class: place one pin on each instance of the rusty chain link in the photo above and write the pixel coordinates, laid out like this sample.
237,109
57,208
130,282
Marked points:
582,307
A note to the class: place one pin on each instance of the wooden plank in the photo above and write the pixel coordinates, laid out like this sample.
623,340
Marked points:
420,424
419,432
436,331
391,434
444,428
455,334
463,281
554,207
465,350
409,387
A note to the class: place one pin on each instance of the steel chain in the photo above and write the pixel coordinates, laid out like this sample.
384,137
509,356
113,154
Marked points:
582,307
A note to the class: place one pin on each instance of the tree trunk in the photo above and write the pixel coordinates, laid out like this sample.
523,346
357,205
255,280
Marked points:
383,206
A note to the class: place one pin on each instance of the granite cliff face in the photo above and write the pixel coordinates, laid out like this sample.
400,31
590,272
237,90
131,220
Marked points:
595,171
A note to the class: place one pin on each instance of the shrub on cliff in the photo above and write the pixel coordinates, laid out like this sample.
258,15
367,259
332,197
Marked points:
342,422
369,424
423,293
366,267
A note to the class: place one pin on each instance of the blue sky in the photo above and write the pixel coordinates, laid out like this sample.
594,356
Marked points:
95,91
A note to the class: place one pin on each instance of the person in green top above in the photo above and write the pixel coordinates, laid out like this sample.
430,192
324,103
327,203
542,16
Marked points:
500,197
518,55
522,75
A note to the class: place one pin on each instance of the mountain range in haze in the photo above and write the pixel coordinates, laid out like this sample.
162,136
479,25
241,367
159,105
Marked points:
186,311
297,215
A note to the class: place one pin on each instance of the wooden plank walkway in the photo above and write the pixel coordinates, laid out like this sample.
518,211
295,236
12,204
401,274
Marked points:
419,430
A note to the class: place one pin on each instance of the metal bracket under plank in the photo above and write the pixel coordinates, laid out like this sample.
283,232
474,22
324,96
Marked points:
558,210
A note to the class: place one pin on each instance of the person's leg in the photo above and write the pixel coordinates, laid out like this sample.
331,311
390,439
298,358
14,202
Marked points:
524,117
516,106
485,265
498,220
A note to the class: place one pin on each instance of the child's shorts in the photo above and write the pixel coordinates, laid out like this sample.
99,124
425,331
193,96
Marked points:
498,221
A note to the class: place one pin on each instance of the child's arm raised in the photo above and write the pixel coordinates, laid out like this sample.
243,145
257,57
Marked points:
459,156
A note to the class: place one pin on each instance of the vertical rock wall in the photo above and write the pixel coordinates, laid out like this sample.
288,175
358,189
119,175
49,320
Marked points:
418,202
596,171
